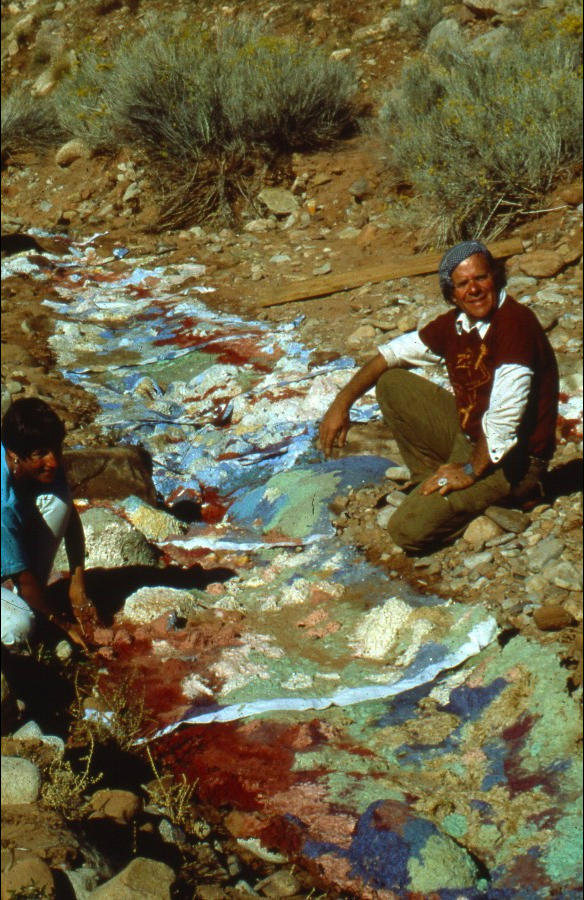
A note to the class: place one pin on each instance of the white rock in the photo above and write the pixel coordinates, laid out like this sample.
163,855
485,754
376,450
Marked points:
148,603
70,152
110,541
21,781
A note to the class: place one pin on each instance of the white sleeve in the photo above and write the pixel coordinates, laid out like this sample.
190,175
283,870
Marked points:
509,396
407,349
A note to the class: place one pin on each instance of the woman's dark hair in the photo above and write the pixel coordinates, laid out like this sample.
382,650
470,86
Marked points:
30,424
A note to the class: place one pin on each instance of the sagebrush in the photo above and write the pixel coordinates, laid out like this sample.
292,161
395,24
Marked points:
206,109
28,122
481,137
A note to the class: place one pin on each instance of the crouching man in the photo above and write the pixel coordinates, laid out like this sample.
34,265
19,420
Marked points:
490,441
37,513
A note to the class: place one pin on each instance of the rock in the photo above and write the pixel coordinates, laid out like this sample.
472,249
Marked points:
544,552
572,194
280,884
321,178
256,226
28,877
361,334
110,473
325,269
132,191
367,235
360,189
541,263
279,201
480,531
520,284
349,234
155,524
45,83
119,806
6,399
548,318
21,781
384,515
445,34
552,618
509,519
142,879
63,651
407,323
9,707
338,55
83,881
491,43
477,559
148,603
71,152
110,541
565,575
397,473
31,731
396,498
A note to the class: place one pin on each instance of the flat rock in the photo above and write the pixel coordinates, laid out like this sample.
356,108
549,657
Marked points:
363,333
119,806
280,884
279,201
21,781
545,552
553,618
142,879
155,524
541,263
110,473
27,872
509,519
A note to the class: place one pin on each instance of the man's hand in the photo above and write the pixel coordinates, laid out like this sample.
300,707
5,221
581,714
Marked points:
336,422
334,428
82,606
449,477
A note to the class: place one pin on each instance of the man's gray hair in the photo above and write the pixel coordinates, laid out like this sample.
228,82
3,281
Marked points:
453,258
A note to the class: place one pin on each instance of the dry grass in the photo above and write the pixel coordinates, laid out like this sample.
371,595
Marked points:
28,123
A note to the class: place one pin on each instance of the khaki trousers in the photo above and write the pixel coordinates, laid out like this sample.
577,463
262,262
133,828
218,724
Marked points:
424,421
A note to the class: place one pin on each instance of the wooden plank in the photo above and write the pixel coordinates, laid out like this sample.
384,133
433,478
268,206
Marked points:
399,268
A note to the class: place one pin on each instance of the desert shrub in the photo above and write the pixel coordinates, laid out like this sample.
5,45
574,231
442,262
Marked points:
208,110
481,138
81,99
28,122
417,19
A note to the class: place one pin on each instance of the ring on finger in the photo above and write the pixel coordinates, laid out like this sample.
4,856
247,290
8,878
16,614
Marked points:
442,482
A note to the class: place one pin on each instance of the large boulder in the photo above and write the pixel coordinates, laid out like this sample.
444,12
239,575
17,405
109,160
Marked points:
111,542
110,473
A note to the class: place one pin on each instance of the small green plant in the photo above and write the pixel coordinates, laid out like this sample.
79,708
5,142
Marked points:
120,717
64,791
481,138
31,891
172,797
